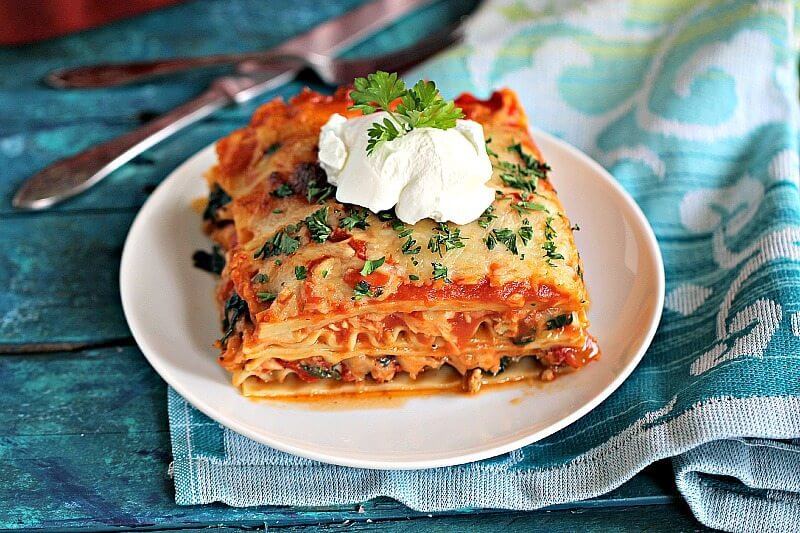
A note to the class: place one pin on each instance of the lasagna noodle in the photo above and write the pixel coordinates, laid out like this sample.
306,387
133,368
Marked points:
444,380
298,316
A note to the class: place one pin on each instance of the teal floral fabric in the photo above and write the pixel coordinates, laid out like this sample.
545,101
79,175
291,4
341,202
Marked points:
693,107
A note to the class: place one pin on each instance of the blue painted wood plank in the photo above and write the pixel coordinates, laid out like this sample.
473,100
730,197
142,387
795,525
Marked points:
205,27
59,278
193,28
127,188
84,443
633,519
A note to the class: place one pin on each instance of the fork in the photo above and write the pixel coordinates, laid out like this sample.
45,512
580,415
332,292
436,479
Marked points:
331,71
75,174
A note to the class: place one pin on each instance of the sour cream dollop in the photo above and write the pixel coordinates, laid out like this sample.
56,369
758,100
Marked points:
426,173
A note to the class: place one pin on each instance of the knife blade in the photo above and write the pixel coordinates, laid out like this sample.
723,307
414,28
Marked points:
75,174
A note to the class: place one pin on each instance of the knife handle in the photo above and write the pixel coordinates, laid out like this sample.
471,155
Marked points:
115,74
72,175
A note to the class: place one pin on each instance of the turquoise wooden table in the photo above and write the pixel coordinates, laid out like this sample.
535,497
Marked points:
84,442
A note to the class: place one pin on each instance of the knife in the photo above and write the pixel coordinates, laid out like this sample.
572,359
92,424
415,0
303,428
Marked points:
75,174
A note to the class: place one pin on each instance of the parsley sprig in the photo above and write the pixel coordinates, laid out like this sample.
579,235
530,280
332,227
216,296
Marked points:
421,106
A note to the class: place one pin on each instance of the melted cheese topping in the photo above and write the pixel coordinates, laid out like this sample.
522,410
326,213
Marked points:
494,303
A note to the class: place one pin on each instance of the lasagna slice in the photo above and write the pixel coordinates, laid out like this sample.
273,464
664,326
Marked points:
320,297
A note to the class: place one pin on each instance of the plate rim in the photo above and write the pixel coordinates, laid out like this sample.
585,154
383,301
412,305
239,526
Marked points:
193,399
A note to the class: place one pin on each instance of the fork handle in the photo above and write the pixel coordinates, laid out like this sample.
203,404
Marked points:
115,74
75,174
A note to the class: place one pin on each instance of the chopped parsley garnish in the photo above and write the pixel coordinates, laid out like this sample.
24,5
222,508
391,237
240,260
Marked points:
489,151
550,252
514,177
413,277
277,211
363,289
525,231
283,191
445,237
505,236
409,247
531,163
371,265
217,198
440,272
212,262
524,176
260,278
575,227
266,296
525,206
549,246
386,216
235,310
300,272
309,179
319,192
487,217
317,224
278,262
274,147
549,231
356,218
559,322
420,107
281,243
324,273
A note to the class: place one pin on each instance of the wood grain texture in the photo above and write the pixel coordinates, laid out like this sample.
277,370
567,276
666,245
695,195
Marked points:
60,279
84,442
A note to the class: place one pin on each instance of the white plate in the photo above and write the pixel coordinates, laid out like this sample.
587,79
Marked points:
170,310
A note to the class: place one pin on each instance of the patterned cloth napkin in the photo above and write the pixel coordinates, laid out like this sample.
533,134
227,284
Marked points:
693,107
